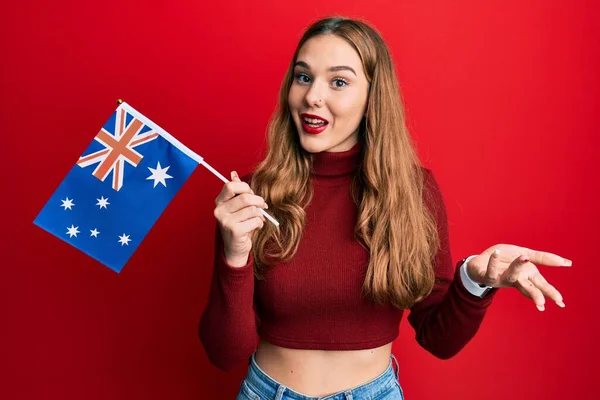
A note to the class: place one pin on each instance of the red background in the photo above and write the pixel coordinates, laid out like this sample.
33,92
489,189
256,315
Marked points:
502,102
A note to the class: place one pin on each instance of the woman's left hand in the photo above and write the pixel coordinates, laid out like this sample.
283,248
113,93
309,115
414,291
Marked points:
505,265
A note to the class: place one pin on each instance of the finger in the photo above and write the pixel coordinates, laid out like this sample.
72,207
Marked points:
245,214
548,259
514,270
528,289
235,177
232,189
257,227
243,200
547,289
492,274
247,226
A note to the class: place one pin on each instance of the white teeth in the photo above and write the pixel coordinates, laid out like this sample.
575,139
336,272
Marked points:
314,121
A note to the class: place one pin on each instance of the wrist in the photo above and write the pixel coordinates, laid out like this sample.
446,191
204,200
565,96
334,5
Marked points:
470,284
473,273
237,261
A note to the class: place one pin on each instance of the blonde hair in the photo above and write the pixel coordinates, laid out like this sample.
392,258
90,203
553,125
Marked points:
393,223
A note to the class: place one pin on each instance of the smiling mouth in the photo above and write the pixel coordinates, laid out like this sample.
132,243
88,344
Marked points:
313,129
313,122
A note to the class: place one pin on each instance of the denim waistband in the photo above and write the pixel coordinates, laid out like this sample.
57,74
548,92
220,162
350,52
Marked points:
271,389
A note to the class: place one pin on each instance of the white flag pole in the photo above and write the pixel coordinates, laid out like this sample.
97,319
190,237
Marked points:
194,156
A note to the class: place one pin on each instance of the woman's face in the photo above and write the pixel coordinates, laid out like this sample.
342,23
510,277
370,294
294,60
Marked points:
328,96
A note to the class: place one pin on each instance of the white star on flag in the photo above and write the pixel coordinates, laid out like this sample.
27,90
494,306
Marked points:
102,202
72,231
67,203
159,174
124,240
94,232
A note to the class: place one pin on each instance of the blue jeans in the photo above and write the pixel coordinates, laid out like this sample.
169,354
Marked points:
257,385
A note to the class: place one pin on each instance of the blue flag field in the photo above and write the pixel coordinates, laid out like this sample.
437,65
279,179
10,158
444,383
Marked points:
118,188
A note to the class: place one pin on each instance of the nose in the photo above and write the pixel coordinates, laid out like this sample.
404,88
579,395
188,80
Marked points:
315,95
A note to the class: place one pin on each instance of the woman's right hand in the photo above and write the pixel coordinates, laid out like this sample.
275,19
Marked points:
238,213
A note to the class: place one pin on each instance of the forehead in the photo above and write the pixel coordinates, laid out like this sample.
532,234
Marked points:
325,51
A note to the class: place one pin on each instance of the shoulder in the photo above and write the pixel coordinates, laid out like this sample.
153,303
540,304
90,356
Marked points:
430,184
432,193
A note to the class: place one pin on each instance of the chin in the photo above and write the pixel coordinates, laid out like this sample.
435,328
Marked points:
311,144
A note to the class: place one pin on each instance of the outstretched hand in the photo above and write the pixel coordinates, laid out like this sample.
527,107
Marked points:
505,265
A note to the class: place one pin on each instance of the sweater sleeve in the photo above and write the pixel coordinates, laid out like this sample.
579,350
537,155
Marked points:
447,319
228,325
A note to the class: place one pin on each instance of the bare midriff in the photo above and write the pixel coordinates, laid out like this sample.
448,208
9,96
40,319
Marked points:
322,372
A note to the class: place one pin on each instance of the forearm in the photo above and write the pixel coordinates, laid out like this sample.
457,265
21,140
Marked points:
445,323
228,328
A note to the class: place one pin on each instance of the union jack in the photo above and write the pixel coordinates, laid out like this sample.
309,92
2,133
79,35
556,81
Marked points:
118,148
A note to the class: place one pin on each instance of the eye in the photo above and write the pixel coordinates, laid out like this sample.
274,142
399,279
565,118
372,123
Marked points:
340,83
302,78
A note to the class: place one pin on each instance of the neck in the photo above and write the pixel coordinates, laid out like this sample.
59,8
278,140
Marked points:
336,167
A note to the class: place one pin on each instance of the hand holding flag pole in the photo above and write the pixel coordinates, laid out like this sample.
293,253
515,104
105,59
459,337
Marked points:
211,169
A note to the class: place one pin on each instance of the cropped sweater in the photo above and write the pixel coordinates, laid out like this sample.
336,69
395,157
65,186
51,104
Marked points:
314,301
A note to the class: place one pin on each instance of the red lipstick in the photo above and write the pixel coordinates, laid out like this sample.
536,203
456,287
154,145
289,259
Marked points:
313,124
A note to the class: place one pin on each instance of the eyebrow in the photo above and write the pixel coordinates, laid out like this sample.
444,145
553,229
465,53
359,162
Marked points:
333,69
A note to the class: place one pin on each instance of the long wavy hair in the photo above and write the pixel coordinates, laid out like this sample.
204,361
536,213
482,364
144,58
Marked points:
393,223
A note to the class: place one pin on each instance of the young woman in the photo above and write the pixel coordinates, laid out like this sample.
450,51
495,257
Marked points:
314,305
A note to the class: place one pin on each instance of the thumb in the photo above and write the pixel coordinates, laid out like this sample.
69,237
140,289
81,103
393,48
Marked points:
234,176
493,268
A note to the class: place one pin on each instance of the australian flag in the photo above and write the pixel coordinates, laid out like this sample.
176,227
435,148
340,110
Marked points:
118,188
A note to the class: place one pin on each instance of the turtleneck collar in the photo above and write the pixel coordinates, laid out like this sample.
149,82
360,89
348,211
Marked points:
336,167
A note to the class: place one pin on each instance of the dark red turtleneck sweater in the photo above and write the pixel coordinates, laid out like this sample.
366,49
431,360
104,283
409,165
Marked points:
314,302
